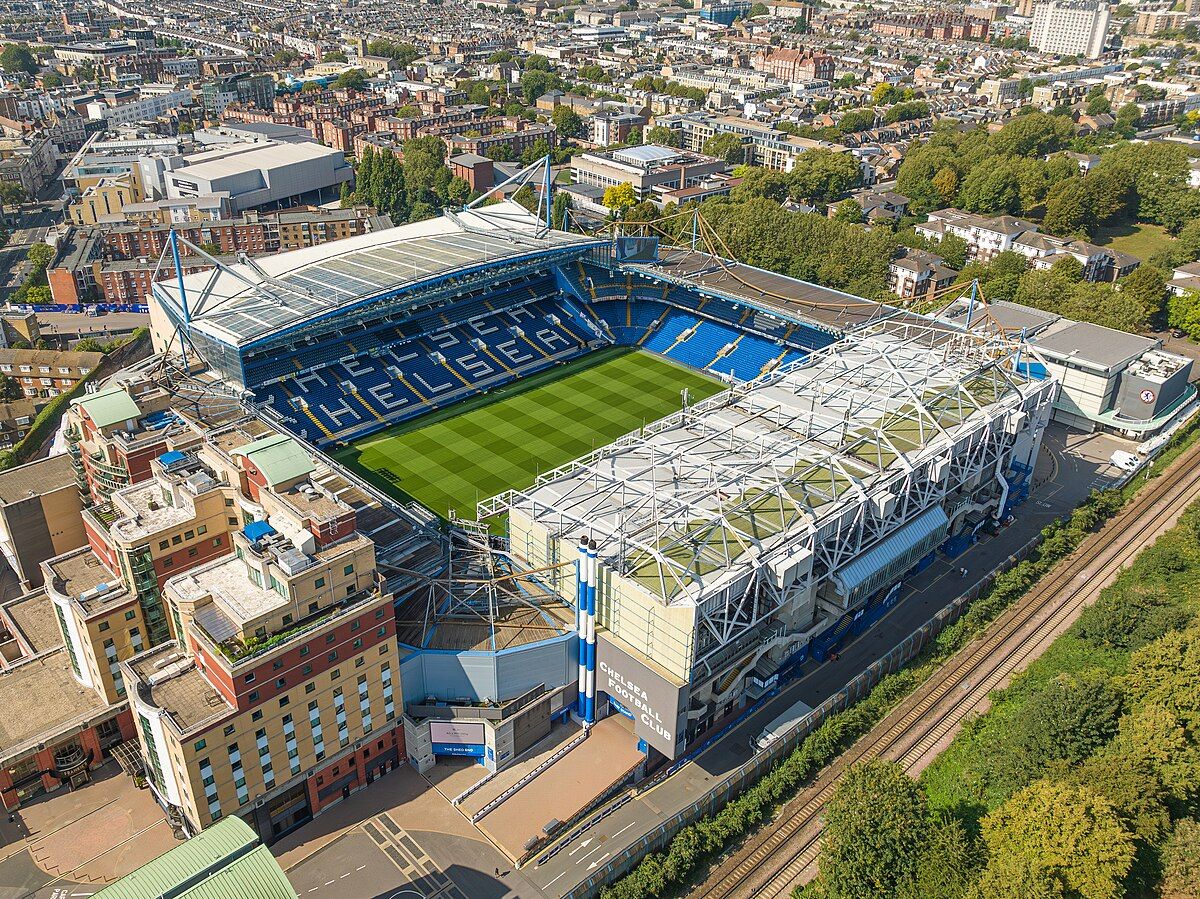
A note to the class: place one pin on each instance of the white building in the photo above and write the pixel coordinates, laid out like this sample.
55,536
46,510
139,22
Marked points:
1070,27
258,174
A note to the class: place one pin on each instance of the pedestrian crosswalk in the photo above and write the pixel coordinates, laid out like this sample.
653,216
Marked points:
414,863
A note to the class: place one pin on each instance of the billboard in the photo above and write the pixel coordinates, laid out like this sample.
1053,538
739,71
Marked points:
457,738
658,705
636,249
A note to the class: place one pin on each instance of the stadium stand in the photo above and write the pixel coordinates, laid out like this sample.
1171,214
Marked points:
354,381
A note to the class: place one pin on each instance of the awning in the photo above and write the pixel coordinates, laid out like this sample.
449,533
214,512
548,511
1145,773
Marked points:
924,530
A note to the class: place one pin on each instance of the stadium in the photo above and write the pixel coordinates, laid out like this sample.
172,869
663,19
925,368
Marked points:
661,478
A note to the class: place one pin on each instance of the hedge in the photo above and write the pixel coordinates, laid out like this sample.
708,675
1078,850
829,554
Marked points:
660,872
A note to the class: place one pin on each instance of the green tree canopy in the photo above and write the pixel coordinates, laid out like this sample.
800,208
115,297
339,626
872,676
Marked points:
566,121
1066,832
16,59
874,828
725,146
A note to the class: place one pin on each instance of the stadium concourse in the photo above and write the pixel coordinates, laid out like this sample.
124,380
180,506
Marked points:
827,446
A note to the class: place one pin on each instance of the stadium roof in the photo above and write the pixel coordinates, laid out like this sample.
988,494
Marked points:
258,298
690,503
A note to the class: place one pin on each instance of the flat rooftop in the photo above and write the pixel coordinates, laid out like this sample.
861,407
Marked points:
81,571
42,699
36,478
175,685
1087,343
247,302
829,309
32,617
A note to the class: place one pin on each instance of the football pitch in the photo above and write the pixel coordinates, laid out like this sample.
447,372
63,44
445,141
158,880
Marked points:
501,440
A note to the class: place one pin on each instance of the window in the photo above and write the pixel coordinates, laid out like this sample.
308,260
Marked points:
333,656
307,669
335,674
164,544
329,638
355,625
229,730
191,552
284,700
312,607
349,569
256,715
281,683
253,696
319,583
228,502
168,563
309,688
130,615
217,542
382,632
277,664
304,650
199,745
358,643
287,619
202,530
349,589
189,535
103,626
232,521
379,614
249,678
176,540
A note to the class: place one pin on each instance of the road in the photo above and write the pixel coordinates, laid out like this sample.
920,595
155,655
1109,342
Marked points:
33,224
914,733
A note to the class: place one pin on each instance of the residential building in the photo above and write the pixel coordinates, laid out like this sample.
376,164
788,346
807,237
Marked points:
1070,27
47,373
915,274
797,65
40,515
985,237
645,168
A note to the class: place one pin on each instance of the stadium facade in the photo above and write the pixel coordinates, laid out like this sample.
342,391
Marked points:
723,544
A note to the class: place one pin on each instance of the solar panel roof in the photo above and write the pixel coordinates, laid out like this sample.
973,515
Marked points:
254,299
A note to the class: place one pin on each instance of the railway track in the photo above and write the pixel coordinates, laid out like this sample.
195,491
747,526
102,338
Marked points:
771,865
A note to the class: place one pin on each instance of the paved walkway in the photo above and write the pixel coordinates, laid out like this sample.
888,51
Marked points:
566,788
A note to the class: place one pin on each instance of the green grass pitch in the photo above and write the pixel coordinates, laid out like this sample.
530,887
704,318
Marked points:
454,457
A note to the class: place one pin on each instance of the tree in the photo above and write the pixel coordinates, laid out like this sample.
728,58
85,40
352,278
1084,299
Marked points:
404,54
334,56
856,120
10,390
1065,831
1068,211
51,80
1146,284
992,188
1103,304
537,63
664,136
759,9
849,211
40,255
312,87
947,865
823,175
526,197
1098,105
559,210
953,250
11,194
16,58
874,828
566,121
725,146
354,79
1181,862
1183,312
425,172
1067,720
1167,673
458,191
1154,734
619,197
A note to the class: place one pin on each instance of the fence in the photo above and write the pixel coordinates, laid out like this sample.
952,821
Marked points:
737,781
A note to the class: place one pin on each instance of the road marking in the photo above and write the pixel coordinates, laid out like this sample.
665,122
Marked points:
361,868
596,863
329,883
344,876
625,828
582,845
585,858
556,879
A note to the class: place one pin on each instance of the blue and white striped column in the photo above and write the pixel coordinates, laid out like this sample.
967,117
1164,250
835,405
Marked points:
592,569
581,617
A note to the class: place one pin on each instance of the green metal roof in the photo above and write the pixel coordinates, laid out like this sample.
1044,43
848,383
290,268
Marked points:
108,407
222,862
278,457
